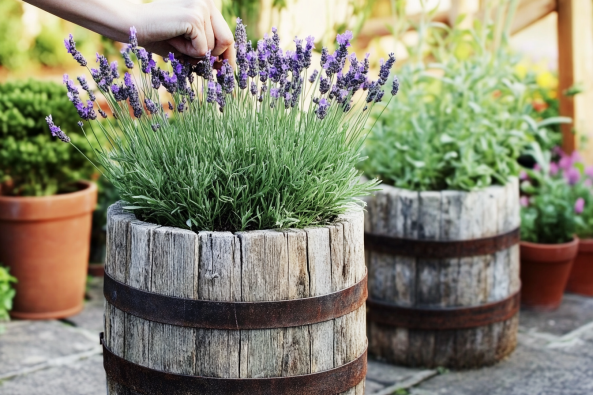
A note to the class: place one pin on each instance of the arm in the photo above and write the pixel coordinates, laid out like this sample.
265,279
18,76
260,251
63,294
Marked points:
187,27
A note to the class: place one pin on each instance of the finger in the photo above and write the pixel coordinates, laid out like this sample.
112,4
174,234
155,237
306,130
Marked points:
231,55
193,45
210,40
222,33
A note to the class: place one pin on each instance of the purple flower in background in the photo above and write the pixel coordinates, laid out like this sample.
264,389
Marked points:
133,95
170,106
379,96
554,168
120,93
524,201
324,55
274,92
125,53
114,69
324,85
150,105
133,39
243,79
55,130
226,77
253,88
572,175
589,171
103,114
169,81
251,58
523,176
395,87
155,78
313,76
385,69
181,105
579,205
211,95
71,48
322,108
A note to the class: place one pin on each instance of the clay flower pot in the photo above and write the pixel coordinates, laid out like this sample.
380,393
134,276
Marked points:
581,276
45,242
545,269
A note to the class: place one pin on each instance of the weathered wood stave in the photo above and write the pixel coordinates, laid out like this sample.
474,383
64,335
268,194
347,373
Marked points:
442,283
242,267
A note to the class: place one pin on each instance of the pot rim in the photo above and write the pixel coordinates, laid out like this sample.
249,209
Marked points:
545,246
549,253
586,245
61,196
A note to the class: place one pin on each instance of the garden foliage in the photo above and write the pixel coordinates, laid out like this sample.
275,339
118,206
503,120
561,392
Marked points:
32,163
463,118
269,145
7,293
548,212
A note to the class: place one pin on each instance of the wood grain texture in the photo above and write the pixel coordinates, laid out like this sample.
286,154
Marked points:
454,282
247,266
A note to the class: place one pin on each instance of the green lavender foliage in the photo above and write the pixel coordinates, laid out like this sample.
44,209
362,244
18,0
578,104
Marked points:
462,118
32,163
547,214
7,293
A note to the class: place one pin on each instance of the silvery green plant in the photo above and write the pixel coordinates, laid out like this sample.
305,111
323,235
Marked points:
463,118
267,145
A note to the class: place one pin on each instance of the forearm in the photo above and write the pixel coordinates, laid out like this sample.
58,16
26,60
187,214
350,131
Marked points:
110,18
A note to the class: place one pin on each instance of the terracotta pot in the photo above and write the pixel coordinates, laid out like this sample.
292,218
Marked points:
96,269
45,242
581,276
544,272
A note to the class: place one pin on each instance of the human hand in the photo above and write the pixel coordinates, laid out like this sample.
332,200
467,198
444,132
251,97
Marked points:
184,27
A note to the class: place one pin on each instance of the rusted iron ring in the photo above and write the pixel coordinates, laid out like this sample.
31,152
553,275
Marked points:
149,381
445,317
440,249
233,315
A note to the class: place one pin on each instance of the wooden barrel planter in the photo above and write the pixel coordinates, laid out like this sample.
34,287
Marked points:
257,312
443,276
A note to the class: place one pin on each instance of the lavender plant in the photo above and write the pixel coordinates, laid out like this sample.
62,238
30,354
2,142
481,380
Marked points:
269,144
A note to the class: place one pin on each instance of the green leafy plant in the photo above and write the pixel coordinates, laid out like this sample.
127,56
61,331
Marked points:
32,163
463,117
7,293
264,146
548,214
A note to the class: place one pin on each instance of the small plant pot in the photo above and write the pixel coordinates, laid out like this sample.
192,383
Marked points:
96,269
545,269
581,275
45,242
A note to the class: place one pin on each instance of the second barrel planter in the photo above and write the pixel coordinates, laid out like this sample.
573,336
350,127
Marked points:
443,275
258,312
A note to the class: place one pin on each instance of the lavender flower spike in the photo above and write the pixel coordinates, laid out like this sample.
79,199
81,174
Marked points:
71,48
395,87
313,76
322,109
133,38
55,130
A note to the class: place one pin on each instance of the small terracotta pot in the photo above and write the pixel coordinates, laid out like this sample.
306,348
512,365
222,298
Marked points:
544,272
45,242
581,276
96,269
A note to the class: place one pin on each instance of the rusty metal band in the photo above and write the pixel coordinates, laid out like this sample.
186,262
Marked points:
233,315
443,318
440,249
149,381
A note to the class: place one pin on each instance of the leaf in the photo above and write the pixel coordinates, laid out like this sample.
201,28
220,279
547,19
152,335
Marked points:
554,121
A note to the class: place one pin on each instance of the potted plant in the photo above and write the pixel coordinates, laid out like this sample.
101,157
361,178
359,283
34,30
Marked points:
580,178
45,206
239,237
548,241
7,293
442,235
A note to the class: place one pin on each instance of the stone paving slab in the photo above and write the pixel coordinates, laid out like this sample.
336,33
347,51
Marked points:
574,312
86,377
91,317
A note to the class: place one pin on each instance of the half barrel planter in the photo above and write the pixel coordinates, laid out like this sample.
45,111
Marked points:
256,312
443,276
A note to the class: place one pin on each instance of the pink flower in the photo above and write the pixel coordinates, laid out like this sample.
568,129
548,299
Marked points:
524,201
523,176
579,205
589,171
572,175
565,163
588,183
554,168
537,167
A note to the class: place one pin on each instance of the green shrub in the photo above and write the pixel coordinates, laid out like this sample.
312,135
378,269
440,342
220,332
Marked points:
7,293
548,207
32,163
462,118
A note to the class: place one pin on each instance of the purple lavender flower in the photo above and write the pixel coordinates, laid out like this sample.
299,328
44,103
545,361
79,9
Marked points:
524,201
204,67
554,169
579,205
240,33
170,106
253,88
310,44
71,48
79,123
344,39
84,84
386,69
322,108
324,85
395,87
226,77
103,114
133,96
155,126
589,171
243,79
150,105
120,93
133,39
251,58
572,175
55,130
181,105
211,94
313,76
324,55
155,78
379,96
125,53
220,97
169,81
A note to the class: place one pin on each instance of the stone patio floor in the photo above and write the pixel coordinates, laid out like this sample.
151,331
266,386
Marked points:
554,357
